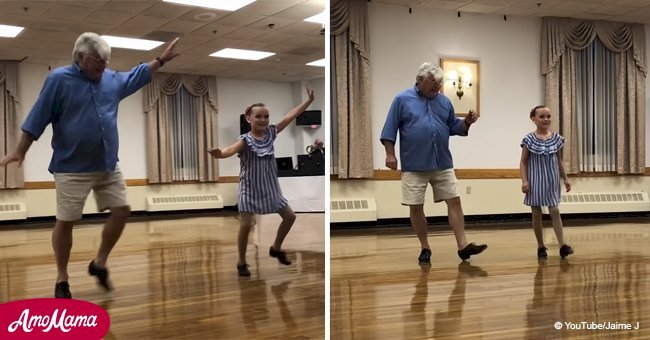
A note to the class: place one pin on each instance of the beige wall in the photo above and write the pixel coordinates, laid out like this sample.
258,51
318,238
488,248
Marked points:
486,197
42,202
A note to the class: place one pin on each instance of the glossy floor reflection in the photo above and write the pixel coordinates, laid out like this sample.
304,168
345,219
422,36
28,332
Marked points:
378,291
176,279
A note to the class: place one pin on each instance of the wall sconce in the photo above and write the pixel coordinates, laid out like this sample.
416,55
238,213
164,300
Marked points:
460,79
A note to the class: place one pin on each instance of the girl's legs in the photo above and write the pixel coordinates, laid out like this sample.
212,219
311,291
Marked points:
245,224
288,218
537,226
565,249
557,224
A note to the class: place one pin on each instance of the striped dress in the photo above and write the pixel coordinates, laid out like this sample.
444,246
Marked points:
259,189
543,170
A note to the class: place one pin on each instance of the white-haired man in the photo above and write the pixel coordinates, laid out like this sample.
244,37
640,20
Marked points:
425,120
81,102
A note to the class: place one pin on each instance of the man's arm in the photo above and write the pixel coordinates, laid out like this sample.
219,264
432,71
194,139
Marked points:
18,155
391,159
37,120
167,55
389,133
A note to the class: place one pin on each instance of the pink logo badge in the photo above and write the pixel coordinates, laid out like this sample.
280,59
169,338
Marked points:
52,319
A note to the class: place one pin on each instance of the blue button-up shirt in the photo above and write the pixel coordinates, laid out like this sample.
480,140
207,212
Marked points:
83,114
424,128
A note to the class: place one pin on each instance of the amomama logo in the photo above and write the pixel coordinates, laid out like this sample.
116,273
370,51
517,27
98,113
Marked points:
52,319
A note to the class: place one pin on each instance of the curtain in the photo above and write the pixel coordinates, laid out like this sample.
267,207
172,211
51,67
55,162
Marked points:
561,39
158,107
350,54
334,116
11,176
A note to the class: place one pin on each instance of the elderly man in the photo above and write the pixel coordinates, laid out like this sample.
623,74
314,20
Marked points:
425,120
81,101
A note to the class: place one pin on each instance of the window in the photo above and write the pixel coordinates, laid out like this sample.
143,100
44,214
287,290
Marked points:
184,136
596,108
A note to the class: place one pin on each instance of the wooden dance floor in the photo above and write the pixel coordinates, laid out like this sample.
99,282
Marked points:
378,291
176,279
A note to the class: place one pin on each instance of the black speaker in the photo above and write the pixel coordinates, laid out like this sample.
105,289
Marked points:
303,160
284,163
244,126
308,118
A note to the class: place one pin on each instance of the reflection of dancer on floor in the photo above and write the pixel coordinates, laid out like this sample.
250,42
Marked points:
545,310
448,323
254,306
415,317
541,168
279,291
445,323
259,188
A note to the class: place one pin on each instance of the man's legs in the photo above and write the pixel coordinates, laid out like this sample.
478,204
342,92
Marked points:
71,193
419,222
111,233
62,244
444,185
110,193
457,221
414,187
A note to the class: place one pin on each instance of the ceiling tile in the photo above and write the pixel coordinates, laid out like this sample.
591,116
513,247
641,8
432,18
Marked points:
166,10
246,33
239,20
129,6
268,7
181,26
29,8
479,8
71,13
300,12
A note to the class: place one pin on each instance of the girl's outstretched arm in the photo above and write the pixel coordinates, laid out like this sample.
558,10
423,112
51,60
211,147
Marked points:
296,111
228,151
523,169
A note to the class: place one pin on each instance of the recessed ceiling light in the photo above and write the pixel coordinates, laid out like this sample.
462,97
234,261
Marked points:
318,18
224,5
7,31
131,43
205,16
234,53
320,63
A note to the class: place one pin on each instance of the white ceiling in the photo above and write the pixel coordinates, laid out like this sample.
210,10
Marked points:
635,11
52,26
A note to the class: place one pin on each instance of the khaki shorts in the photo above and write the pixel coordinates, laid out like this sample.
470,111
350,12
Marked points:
72,189
414,186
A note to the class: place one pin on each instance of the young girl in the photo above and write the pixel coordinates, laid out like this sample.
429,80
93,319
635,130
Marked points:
541,167
259,188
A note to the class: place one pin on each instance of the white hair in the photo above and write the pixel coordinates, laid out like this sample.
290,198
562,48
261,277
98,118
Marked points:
88,43
429,69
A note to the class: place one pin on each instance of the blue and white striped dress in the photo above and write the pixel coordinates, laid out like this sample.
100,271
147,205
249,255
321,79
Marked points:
259,189
543,170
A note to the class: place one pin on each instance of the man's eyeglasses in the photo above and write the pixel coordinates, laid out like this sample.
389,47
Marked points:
433,82
98,60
